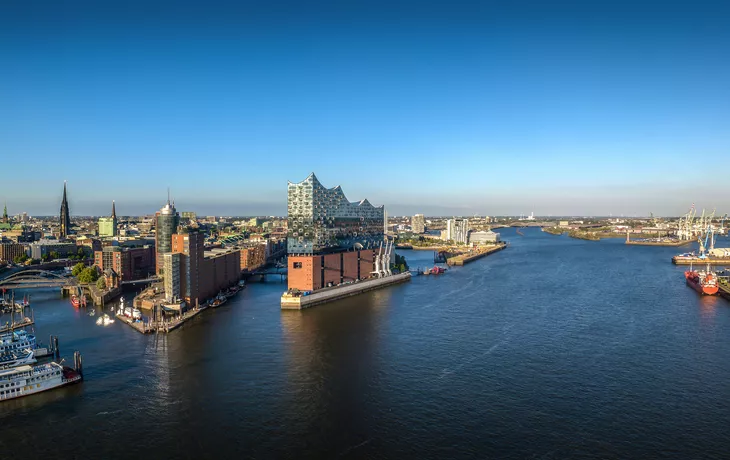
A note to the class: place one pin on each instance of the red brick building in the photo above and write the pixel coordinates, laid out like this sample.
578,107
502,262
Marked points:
128,263
253,257
203,274
311,272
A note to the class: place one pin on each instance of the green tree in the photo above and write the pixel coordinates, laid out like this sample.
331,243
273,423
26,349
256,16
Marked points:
19,259
53,255
88,275
78,268
81,253
44,257
101,283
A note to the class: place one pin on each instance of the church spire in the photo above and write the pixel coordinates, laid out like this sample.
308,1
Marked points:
65,215
114,211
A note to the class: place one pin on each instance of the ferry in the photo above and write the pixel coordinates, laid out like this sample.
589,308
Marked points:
704,282
27,380
17,358
16,340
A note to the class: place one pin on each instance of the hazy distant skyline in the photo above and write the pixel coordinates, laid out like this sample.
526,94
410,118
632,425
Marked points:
458,108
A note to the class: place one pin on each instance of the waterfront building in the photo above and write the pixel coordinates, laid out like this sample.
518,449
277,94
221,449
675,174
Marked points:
65,215
172,266
418,224
10,250
253,257
129,263
488,237
167,220
330,240
192,248
108,225
457,230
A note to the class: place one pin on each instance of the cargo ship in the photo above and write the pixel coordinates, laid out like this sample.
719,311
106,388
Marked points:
704,282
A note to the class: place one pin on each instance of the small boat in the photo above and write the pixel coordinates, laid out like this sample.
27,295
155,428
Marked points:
17,358
77,301
92,312
104,320
128,312
136,314
242,284
219,300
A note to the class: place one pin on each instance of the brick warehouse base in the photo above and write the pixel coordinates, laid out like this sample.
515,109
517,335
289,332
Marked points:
289,302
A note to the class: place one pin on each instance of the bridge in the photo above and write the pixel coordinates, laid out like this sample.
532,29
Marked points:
30,279
280,271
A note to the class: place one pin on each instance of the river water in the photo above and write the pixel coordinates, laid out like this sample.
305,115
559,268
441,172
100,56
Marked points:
553,348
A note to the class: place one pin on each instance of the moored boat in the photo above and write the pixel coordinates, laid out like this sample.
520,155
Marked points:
219,300
16,340
17,358
27,380
77,301
704,282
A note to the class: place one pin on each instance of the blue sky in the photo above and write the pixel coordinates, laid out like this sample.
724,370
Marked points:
442,108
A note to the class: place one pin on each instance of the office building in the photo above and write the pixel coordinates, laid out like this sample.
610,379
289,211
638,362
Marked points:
45,247
418,224
65,215
488,237
172,266
108,225
10,250
167,220
457,230
330,240
192,247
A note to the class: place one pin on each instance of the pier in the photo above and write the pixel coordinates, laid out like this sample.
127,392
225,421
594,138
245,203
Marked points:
698,261
464,259
161,325
300,302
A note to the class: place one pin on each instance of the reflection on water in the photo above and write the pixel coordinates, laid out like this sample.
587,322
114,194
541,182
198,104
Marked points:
596,350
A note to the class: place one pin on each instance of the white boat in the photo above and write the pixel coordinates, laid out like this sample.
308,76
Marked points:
92,312
16,340
136,314
17,358
128,311
27,380
104,320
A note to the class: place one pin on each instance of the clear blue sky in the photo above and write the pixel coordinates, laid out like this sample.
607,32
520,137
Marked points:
585,107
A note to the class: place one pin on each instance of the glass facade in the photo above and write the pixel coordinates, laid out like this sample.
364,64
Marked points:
321,220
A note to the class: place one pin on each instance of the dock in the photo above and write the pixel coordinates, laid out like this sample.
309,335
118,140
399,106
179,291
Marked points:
659,243
152,326
464,259
697,261
300,302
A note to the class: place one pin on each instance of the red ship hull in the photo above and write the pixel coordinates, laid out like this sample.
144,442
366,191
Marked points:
693,281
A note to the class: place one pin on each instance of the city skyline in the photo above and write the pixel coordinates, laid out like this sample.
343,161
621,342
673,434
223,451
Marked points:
570,109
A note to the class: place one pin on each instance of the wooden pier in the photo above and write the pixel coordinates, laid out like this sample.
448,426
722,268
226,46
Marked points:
700,262
162,325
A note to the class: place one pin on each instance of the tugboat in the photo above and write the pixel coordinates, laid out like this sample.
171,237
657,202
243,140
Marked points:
704,282
77,301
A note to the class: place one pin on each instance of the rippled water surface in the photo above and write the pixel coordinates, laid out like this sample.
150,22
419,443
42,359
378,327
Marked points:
553,348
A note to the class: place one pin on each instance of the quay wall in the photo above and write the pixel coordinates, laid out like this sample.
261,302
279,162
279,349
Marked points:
459,260
330,294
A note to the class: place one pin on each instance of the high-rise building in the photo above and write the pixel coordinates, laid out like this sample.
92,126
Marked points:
172,266
65,215
167,220
108,225
418,224
330,240
191,246
457,230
